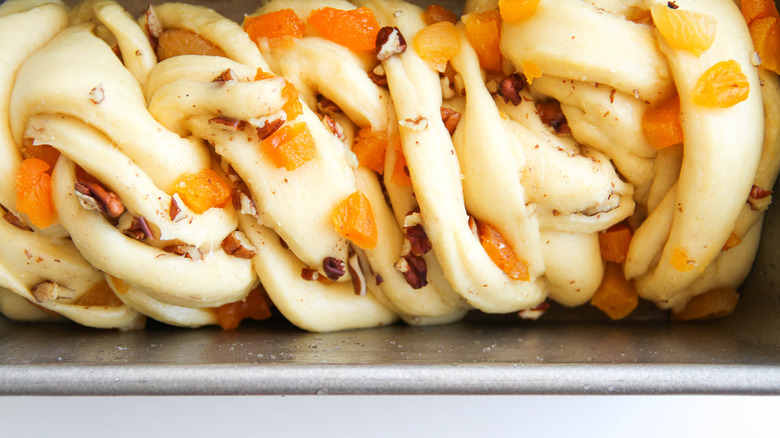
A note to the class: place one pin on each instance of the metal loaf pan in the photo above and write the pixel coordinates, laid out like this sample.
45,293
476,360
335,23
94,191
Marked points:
570,351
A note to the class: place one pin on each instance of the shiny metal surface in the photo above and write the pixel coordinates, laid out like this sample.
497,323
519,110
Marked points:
572,351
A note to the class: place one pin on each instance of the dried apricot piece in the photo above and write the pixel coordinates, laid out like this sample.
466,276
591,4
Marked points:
254,306
33,192
614,242
355,29
721,86
290,146
435,13
202,191
615,296
756,9
175,42
400,176
531,71
717,303
260,75
370,149
44,152
681,262
292,106
515,11
683,29
483,32
436,44
765,33
354,219
498,249
276,24
661,124
731,242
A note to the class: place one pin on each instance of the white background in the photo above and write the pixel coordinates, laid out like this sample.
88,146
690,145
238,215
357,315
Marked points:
391,416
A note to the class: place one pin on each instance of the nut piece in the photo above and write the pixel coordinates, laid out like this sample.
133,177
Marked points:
243,203
333,268
418,123
534,312
378,76
389,41
552,115
358,279
227,75
94,197
268,128
414,269
327,106
237,244
450,118
50,291
187,251
153,27
510,87
177,210
759,198
15,221
335,128
136,227
230,122
97,94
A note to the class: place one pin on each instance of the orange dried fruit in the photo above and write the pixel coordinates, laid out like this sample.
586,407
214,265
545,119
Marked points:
615,296
721,86
44,152
254,306
370,149
202,191
717,303
765,33
614,242
731,242
436,44
681,262
175,42
400,176
756,9
33,192
276,24
483,32
531,71
498,249
515,11
435,13
355,29
290,146
683,29
260,75
353,218
661,124
292,106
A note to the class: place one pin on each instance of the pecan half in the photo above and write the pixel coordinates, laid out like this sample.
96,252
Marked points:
510,87
551,114
450,118
49,291
389,42
237,244
93,196
333,268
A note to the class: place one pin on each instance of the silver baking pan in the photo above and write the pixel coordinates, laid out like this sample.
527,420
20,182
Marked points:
567,351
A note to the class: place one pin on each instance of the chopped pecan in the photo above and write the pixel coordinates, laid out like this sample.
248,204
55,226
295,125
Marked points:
551,114
137,228
327,106
414,269
418,123
333,268
534,312
389,42
759,198
227,75
268,128
175,210
510,87
418,240
310,274
186,251
153,27
378,76
93,196
230,122
334,128
356,274
237,244
15,221
243,203
49,291
97,94
450,118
